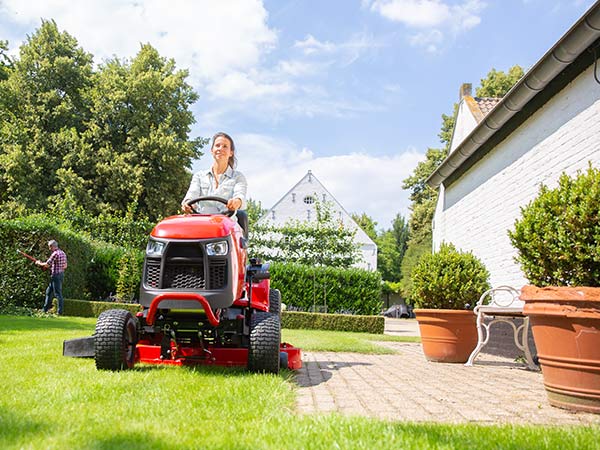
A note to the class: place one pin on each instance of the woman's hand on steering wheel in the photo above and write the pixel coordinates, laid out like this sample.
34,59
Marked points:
187,205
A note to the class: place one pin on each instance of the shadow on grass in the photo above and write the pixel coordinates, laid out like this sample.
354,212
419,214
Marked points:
16,429
25,323
129,441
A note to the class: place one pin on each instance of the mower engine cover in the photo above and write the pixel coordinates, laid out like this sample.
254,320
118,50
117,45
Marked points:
202,254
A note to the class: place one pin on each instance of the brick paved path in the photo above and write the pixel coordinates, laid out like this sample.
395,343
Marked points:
406,387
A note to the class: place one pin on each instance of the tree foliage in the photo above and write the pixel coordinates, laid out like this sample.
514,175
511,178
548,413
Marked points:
254,210
497,83
391,244
424,198
111,140
324,242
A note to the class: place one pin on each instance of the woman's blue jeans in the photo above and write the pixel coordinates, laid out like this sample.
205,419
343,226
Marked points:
55,289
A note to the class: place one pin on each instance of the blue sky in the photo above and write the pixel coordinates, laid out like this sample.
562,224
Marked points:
350,89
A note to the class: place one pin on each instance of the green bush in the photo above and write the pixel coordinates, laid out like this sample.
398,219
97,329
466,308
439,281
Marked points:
95,271
334,322
22,283
82,308
558,235
449,279
130,275
327,288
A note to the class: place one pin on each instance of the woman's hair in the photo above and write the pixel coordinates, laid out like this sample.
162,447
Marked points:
232,161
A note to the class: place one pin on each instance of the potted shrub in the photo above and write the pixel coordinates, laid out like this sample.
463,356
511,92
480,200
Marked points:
446,286
558,243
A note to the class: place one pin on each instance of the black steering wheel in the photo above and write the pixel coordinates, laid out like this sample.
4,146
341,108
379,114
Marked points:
226,212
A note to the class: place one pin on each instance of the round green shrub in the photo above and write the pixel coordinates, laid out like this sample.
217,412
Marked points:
558,234
448,279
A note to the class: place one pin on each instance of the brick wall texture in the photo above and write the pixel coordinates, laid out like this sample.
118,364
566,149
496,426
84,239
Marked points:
476,211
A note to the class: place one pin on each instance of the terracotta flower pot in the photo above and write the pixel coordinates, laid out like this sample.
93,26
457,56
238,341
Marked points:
447,335
566,328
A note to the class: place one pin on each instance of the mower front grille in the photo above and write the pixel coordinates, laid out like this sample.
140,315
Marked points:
152,275
184,277
217,273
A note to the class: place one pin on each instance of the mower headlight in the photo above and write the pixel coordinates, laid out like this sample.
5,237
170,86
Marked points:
155,248
217,248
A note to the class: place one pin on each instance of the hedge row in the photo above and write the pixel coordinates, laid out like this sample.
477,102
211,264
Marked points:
327,289
335,322
95,269
83,308
289,319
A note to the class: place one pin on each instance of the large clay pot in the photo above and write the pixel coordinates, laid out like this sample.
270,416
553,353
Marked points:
565,322
447,335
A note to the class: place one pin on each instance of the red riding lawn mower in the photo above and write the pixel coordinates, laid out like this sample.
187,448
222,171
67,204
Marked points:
203,303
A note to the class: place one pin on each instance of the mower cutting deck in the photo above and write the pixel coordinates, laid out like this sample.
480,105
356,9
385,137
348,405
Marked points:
202,303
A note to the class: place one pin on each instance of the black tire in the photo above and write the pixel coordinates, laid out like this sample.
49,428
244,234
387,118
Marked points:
265,337
275,301
114,340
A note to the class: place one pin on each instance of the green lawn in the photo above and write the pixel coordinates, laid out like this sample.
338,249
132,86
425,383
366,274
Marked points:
52,402
337,341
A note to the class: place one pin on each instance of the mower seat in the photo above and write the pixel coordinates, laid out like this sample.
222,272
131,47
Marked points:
242,217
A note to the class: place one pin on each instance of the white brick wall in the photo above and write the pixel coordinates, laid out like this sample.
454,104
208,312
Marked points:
476,211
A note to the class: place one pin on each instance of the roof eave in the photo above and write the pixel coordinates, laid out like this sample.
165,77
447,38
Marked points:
574,42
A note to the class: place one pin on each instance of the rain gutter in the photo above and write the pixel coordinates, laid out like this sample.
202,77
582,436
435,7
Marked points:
560,65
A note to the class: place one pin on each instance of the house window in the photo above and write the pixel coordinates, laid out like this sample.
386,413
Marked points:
324,195
293,197
309,199
273,214
308,214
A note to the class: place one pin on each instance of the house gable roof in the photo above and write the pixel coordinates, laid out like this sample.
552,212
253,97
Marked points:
318,187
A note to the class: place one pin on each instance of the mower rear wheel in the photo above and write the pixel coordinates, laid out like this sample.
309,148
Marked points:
275,301
265,337
114,340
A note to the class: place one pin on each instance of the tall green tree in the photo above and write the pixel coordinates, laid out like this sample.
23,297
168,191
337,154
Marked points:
367,224
254,210
136,143
497,83
44,110
5,60
391,244
423,198
114,140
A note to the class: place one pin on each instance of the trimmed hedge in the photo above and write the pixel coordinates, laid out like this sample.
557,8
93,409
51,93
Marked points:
22,282
335,290
96,269
289,319
83,308
334,322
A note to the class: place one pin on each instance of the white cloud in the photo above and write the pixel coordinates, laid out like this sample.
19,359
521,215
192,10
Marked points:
361,182
310,46
192,32
437,20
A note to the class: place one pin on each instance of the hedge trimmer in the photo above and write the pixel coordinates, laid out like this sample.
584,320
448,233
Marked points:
31,258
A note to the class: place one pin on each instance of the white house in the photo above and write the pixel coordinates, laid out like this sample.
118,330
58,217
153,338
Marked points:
547,124
299,203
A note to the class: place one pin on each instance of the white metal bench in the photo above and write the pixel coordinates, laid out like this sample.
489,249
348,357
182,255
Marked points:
501,304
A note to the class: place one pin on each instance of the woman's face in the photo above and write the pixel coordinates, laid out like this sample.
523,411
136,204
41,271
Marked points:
221,149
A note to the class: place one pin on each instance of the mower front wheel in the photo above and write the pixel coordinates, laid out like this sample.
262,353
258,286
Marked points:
275,301
265,337
114,340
